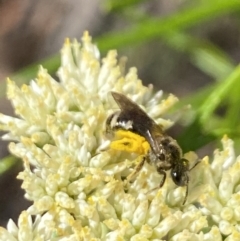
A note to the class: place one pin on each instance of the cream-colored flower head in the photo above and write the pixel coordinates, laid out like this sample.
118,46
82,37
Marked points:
78,191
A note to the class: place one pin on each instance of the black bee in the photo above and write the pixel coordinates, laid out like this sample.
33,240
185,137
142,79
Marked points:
164,152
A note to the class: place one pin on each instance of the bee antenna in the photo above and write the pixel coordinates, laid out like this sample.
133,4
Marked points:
186,194
196,163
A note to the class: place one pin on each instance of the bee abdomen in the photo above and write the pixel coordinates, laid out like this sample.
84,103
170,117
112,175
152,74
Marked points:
115,122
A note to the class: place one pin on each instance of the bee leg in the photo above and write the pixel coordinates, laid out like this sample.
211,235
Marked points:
186,194
164,177
162,181
136,170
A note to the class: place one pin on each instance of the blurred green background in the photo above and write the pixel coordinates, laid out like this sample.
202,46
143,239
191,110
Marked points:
189,48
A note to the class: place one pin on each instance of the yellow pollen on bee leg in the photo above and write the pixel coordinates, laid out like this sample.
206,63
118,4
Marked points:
130,142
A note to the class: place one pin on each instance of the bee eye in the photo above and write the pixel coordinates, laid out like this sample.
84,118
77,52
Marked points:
179,177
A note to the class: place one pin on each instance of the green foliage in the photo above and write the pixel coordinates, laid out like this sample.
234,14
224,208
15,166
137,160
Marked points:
205,123
6,163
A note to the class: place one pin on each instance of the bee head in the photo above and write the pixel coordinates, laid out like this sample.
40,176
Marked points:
179,172
171,153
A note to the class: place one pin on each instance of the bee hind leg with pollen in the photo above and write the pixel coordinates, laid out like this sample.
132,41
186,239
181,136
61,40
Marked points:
133,143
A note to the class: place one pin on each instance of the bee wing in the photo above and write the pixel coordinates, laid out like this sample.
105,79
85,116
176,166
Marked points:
142,124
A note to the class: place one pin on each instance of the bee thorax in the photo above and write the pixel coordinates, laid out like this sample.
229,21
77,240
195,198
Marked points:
169,149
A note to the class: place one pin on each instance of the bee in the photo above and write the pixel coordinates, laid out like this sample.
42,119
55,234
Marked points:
163,152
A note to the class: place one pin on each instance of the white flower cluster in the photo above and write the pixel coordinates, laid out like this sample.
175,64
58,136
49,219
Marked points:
77,190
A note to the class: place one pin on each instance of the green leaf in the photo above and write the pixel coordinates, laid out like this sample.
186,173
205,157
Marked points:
206,127
119,5
6,163
223,90
206,56
156,27
143,31
194,137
